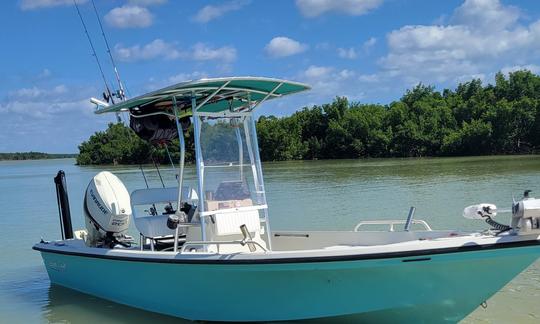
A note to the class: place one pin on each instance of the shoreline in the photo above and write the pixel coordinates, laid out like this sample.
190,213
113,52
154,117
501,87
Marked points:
302,161
33,156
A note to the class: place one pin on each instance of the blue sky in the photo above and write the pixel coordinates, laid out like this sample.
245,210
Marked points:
368,50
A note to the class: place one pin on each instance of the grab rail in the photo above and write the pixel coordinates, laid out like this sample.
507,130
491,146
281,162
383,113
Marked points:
241,242
391,223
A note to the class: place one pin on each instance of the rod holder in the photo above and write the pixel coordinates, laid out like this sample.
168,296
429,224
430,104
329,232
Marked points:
409,219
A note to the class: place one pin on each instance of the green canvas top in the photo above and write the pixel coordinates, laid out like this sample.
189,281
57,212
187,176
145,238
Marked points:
212,95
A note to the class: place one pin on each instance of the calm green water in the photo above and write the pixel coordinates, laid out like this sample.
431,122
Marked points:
301,195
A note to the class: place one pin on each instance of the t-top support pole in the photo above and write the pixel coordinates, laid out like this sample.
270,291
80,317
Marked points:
199,162
182,154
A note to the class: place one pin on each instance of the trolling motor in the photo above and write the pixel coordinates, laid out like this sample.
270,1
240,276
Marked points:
485,212
525,215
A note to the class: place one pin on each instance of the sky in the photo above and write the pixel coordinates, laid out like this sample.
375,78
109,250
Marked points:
371,51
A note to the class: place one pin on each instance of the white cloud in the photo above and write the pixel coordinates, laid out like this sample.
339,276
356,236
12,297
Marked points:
347,53
44,74
211,12
369,78
157,83
346,74
33,117
328,82
463,48
284,46
157,48
486,14
531,67
35,92
45,110
484,36
160,49
369,44
314,8
323,46
38,4
182,77
44,102
317,72
203,52
352,53
129,16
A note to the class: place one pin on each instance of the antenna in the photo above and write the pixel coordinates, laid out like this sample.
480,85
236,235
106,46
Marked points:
109,93
121,93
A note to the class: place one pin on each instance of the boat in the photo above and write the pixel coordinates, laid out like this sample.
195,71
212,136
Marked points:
206,251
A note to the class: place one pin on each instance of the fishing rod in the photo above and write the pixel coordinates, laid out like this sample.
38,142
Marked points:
121,92
108,90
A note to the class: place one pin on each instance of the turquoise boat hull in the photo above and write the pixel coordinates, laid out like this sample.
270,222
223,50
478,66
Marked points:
424,289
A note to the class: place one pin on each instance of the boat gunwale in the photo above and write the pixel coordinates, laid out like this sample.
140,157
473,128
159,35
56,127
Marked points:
308,259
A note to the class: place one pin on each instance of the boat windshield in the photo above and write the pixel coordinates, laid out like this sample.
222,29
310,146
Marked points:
230,171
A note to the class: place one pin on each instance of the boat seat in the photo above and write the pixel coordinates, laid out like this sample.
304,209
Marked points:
152,226
226,227
229,223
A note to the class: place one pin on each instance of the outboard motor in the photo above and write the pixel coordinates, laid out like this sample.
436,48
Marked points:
107,211
526,214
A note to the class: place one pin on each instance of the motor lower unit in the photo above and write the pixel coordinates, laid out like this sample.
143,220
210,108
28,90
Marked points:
107,210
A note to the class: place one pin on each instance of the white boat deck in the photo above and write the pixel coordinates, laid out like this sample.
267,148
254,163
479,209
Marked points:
295,245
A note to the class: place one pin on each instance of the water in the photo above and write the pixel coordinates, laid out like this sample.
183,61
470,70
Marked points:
301,195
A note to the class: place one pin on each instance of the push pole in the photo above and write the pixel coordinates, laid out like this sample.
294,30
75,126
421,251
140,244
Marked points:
63,205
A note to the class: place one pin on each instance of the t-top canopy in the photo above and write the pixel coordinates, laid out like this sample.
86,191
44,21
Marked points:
211,95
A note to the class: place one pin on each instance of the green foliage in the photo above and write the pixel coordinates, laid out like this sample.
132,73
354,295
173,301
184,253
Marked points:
119,145
472,138
219,143
473,119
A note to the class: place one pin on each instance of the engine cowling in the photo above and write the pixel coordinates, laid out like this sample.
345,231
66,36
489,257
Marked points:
107,209
526,215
